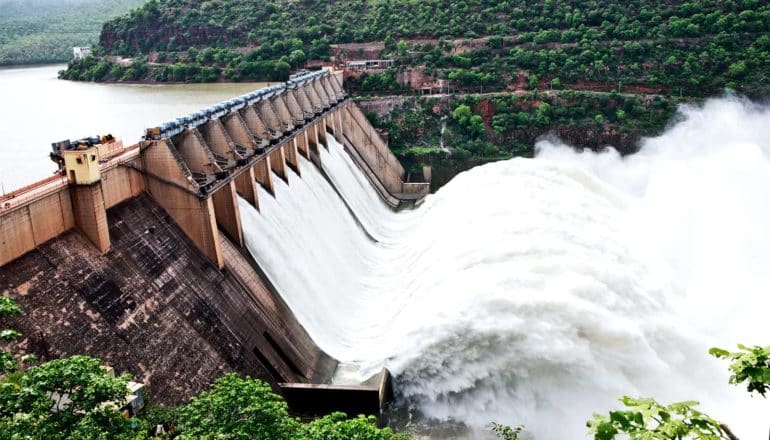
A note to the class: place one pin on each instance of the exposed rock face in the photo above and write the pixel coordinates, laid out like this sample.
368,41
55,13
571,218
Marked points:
152,306
160,34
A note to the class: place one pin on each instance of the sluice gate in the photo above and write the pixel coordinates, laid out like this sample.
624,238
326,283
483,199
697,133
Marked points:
151,235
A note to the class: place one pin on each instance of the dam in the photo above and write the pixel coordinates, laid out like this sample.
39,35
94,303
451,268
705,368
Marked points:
532,291
137,254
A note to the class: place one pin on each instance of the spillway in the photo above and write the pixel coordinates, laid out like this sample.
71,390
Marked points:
538,291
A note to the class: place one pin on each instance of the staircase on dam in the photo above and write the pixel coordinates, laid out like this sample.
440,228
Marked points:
136,254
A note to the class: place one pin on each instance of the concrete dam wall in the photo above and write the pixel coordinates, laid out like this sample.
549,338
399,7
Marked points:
136,255
154,306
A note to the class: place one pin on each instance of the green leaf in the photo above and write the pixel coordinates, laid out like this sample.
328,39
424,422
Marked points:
647,419
718,352
9,335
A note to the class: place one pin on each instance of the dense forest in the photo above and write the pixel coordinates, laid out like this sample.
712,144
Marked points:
44,31
688,48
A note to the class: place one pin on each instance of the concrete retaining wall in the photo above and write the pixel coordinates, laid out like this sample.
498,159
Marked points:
156,307
26,227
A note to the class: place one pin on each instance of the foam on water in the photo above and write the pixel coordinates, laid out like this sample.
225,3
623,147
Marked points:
539,291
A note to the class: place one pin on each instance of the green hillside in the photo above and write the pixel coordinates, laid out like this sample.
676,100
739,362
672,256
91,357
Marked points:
695,47
44,31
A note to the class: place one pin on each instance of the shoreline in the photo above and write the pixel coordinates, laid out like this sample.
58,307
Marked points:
31,66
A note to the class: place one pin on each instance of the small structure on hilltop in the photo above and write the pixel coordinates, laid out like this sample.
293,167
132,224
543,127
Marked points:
80,52
369,65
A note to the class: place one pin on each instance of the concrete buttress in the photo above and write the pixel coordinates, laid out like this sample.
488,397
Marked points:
246,185
278,163
290,153
227,212
90,214
264,175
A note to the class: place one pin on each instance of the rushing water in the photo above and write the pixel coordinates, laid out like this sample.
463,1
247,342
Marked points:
538,291
38,109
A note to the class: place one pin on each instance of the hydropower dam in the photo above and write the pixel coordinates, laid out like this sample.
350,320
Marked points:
280,240
139,254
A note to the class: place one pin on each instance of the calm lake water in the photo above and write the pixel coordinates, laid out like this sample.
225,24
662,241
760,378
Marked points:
38,109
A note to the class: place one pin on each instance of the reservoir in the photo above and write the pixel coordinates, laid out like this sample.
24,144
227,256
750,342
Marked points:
39,109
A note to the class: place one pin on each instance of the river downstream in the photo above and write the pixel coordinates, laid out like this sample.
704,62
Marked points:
40,109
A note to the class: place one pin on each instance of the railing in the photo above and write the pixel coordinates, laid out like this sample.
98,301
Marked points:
49,185
34,191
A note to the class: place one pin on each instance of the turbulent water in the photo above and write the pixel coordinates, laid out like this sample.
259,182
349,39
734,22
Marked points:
538,291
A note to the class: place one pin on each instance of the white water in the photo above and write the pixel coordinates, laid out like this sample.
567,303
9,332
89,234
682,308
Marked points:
539,291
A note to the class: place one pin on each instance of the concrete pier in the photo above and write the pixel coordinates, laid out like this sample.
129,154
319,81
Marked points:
227,213
90,214
246,185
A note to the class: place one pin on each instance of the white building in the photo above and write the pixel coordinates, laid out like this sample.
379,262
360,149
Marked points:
81,52
362,66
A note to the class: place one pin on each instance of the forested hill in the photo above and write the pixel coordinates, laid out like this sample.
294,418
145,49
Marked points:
182,23
44,31
695,47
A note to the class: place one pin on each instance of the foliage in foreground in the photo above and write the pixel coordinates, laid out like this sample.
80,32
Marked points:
8,307
239,409
65,398
78,399
648,419
505,432
247,409
750,365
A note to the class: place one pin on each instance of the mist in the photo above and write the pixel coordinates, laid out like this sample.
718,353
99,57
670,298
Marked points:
539,291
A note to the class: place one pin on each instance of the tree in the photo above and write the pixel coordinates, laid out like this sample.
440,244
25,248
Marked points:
390,43
495,42
750,365
737,70
297,57
280,71
646,419
505,432
338,427
532,82
238,408
462,114
473,124
192,55
401,47
476,126
73,398
8,307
